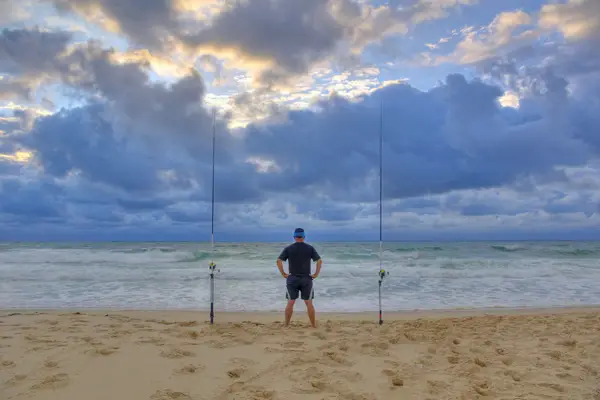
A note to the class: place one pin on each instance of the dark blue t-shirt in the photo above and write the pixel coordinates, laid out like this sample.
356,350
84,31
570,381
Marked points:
298,256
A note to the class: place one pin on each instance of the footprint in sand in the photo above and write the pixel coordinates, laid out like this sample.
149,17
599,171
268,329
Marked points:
104,351
50,364
378,349
397,381
151,340
437,387
337,358
7,364
319,335
255,393
553,386
568,343
188,324
555,354
90,340
189,369
52,382
47,322
481,362
15,380
176,353
453,359
242,361
514,375
508,360
236,372
189,334
293,344
168,394
347,375
564,375
392,363
482,389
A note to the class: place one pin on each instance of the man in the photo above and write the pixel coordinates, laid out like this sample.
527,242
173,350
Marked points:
299,280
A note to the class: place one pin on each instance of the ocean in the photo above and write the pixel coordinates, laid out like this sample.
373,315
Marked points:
421,275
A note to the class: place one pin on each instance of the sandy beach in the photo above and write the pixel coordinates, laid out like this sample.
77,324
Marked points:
160,355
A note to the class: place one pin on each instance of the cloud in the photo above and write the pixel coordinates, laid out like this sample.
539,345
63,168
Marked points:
13,11
14,88
150,23
502,36
276,40
451,137
28,57
576,19
30,51
426,10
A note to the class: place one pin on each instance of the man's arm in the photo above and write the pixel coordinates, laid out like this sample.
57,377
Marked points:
316,257
282,257
280,266
318,271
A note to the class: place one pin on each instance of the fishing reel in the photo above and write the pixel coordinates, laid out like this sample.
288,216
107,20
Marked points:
382,274
211,267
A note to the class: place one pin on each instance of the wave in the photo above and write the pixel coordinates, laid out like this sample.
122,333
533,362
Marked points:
413,249
509,248
208,255
145,250
578,252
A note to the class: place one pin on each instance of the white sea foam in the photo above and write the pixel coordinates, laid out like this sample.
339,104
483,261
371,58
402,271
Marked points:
175,276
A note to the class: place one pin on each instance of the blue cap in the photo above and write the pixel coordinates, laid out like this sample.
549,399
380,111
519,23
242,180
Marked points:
299,233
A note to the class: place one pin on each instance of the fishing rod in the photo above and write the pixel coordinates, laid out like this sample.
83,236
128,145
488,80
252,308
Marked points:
212,266
382,272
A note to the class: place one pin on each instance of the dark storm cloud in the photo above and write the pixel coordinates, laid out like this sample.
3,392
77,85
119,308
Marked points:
451,137
26,57
81,139
30,51
137,136
31,201
144,22
294,34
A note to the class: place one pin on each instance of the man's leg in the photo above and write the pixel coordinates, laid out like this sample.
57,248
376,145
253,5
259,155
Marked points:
289,310
310,309
308,295
292,294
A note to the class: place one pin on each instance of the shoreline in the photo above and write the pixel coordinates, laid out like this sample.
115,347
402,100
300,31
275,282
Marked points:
300,312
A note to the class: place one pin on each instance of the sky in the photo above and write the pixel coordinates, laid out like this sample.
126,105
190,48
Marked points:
489,115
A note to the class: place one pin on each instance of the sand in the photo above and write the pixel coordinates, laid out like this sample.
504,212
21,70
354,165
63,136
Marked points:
162,355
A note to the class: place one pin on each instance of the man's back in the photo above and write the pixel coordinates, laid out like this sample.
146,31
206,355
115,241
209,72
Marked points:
298,255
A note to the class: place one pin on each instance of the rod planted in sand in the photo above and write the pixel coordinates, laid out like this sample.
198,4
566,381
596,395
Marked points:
212,264
382,272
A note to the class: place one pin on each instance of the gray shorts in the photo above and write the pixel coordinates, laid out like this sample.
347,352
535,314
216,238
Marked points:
299,285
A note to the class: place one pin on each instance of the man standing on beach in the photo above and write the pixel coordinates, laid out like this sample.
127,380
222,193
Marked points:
299,280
